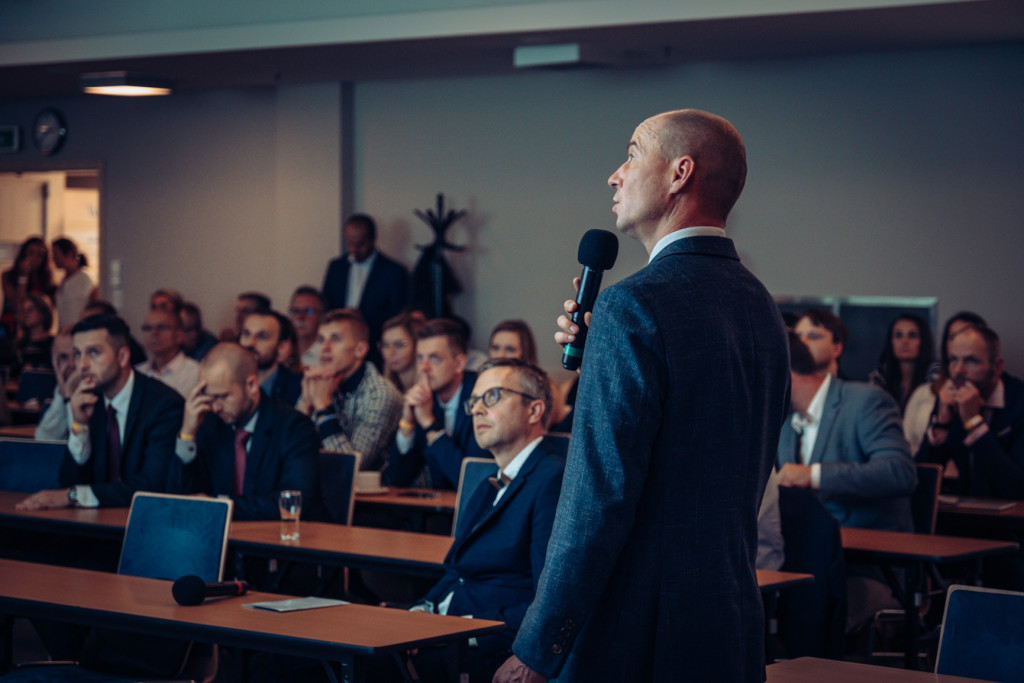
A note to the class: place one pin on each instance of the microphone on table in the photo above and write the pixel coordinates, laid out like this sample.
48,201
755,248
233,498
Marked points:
192,590
597,253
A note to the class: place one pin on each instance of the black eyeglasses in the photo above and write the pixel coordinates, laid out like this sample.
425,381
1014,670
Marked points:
491,397
308,310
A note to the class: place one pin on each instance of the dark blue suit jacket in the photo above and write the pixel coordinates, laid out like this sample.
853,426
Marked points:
287,386
650,570
283,454
385,295
494,566
444,456
150,430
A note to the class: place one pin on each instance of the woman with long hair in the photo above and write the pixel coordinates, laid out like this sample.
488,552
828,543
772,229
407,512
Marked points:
77,288
398,348
905,358
35,338
514,339
30,274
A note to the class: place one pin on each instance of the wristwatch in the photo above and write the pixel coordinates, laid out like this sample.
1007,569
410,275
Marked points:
73,495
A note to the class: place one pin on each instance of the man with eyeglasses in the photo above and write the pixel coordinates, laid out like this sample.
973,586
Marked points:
435,433
498,553
304,311
162,336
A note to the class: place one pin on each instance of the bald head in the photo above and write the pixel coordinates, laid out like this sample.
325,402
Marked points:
714,144
239,361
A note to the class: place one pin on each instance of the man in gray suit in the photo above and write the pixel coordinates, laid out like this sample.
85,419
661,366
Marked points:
649,574
845,440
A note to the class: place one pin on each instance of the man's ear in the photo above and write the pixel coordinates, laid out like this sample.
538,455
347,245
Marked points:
682,170
124,357
536,413
362,348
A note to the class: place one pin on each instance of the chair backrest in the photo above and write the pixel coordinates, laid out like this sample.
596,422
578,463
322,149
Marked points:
812,616
30,466
337,485
474,471
982,635
37,384
924,504
171,536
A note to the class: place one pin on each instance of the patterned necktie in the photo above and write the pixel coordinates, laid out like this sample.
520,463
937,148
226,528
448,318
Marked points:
113,446
241,436
499,482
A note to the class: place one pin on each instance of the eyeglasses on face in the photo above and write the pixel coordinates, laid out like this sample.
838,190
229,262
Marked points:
308,310
491,397
159,327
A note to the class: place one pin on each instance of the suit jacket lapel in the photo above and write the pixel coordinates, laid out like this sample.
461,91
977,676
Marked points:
833,399
258,442
128,449
787,443
98,427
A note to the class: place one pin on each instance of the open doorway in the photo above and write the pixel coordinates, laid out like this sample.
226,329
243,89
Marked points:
50,204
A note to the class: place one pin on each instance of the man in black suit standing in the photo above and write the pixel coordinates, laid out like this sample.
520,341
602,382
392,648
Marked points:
650,573
123,424
235,440
366,279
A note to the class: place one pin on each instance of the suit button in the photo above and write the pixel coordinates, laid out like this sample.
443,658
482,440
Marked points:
556,648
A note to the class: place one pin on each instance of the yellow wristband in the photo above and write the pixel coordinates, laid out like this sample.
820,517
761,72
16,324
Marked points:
406,426
186,437
973,422
78,428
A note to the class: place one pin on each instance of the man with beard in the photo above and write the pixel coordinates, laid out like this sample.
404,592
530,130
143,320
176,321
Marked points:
262,333
123,424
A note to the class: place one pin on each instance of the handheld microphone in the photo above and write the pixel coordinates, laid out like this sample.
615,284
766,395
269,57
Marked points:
597,253
192,590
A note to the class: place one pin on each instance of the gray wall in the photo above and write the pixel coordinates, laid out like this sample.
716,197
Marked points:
896,173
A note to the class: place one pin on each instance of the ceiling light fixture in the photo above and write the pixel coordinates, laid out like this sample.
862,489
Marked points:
125,84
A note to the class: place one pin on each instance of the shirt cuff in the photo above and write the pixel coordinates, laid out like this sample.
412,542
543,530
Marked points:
86,498
79,447
404,442
816,475
975,434
185,450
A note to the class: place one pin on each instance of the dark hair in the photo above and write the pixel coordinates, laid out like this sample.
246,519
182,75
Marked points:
172,295
69,248
532,379
990,338
352,316
308,290
526,341
889,368
364,221
445,327
830,321
287,329
117,329
963,316
192,309
261,301
800,359
40,279
101,307
43,305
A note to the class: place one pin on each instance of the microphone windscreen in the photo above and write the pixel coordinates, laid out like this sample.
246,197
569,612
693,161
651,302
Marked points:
598,249
189,590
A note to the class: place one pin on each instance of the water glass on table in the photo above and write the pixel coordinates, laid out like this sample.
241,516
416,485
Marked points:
290,503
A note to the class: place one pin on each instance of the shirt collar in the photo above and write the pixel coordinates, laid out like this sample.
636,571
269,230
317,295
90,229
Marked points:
512,469
250,424
363,264
352,383
695,231
123,398
815,410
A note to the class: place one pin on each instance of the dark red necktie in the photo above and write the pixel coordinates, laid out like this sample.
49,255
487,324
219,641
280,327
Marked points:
241,436
113,446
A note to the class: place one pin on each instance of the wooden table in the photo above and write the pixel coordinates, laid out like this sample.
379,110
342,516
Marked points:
914,551
768,580
341,634
430,499
813,670
966,514
18,431
92,522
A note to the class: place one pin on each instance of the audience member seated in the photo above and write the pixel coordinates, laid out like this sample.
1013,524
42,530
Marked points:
167,362
237,441
100,307
166,299
123,424
514,339
56,420
492,569
978,418
77,288
287,351
248,302
261,334
824,334
366,279
918,413
304,311
845,441
398,347
196,340
435,434
905,358
353,406
30,274
35,320
474,357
